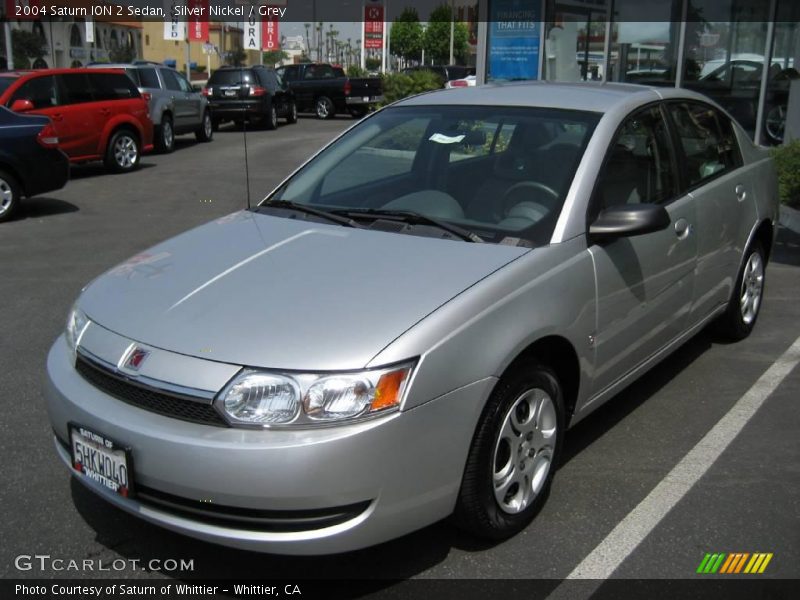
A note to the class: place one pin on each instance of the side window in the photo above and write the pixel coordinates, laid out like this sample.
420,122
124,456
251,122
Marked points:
170,80
134,75
311,72
112,86
76,89
41,91
639,166
707,139
148,78
184,85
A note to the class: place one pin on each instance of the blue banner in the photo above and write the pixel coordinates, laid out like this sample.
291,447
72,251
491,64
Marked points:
514,39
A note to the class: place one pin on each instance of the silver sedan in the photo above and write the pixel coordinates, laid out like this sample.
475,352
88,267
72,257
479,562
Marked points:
406,327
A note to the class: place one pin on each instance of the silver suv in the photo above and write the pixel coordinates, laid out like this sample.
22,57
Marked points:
175,108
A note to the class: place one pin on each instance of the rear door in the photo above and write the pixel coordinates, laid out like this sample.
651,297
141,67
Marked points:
116,94
80,114
644,283
711,161
185,109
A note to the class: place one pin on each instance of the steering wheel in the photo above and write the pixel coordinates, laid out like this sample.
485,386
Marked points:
508,200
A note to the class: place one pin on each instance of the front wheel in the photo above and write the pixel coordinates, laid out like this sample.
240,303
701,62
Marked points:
738,320
122,153
324,108
206,131
513,455
10,194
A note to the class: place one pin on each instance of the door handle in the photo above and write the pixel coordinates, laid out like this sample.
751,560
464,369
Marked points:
741,192
683,229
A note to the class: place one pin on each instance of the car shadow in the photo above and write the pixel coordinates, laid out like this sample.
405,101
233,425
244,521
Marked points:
96,169
787,247
43,206
383,564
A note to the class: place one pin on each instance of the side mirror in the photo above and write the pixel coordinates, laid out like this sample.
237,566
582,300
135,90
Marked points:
22,105
628,220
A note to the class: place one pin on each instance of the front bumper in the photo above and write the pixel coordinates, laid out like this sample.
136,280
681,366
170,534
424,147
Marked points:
394,474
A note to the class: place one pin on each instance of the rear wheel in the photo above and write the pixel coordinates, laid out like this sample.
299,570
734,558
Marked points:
165,138
271,121
513,455
122,153
10,193
206,130
739,319
324,108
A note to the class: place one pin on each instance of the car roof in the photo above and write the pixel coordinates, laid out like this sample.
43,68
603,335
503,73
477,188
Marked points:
588,96
42,72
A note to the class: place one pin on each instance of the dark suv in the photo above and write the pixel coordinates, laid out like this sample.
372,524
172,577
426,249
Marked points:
249,93
98,114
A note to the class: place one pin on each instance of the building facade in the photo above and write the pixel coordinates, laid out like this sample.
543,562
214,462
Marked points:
744,54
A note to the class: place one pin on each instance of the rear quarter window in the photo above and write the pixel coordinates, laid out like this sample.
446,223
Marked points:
112,86
148,78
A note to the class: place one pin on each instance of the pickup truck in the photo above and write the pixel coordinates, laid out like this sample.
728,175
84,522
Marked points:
325,90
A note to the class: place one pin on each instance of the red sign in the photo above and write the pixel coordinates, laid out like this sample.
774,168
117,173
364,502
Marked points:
25,10
270,36
373,27
198,20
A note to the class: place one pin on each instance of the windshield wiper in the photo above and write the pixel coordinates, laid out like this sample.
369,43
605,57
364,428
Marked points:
304,208
409,216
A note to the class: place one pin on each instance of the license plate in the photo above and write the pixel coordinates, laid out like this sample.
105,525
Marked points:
101,459
365,99
230,93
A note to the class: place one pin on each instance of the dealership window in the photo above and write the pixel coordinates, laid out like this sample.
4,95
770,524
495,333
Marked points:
575,40
781,115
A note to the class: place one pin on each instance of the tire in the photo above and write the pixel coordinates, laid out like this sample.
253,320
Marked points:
358,112
324,108
165,138
740,317
271,120
206,131
10,195
775,123
123,151
291,115
514,452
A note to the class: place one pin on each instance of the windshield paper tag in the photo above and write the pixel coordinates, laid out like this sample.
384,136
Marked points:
446,139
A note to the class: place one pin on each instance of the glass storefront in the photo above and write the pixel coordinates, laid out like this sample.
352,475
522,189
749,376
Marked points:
742,53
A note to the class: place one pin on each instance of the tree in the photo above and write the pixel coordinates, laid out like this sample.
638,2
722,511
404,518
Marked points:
122,54
273,57
407,35
26,46
237,57
437,36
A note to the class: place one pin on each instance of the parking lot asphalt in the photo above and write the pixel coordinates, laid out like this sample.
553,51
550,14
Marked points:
747,501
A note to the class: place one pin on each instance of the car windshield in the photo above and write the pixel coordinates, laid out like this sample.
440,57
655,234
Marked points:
502,173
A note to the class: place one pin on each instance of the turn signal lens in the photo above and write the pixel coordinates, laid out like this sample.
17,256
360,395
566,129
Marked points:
390,389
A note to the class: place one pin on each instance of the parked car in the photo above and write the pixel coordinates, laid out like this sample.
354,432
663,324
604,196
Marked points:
98,114
256,94
325,90
468,81
439,294
175,107
30,161
445,72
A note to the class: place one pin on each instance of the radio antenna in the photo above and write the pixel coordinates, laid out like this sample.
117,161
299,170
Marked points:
244,136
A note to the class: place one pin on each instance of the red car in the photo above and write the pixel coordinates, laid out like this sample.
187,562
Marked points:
98,114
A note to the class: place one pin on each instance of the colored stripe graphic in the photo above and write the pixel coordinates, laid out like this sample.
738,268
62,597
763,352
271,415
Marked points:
734,563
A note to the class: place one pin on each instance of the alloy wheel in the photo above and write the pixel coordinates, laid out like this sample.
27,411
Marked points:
752,288
125,151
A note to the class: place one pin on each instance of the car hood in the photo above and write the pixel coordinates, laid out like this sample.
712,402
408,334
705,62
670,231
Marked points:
259,290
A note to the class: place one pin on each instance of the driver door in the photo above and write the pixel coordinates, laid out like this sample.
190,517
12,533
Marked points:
645,282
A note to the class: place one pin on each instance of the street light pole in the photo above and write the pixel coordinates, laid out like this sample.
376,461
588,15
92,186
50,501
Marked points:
452,29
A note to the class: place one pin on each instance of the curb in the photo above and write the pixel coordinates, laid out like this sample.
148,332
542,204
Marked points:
789,218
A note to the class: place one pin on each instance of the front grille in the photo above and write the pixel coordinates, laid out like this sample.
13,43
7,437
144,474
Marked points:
147,398
250,519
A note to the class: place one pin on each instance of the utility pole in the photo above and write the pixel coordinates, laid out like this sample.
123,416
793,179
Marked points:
452,29
9,46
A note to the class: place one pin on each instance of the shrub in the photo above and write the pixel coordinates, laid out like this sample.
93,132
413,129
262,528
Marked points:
356,71
402,85
787,161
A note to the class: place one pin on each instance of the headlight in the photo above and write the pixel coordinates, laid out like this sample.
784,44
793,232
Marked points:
76,324
264,399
